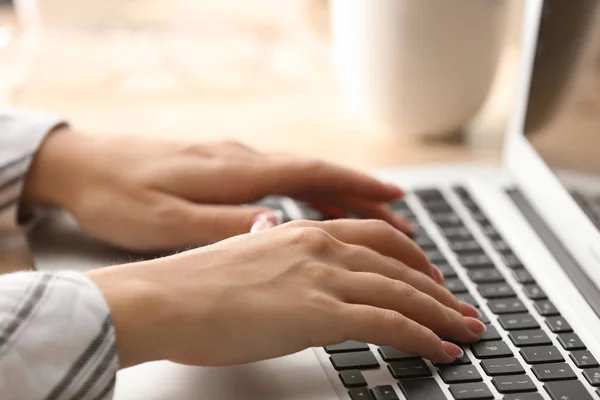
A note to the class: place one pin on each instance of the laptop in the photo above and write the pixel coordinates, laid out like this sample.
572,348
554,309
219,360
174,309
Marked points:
520,241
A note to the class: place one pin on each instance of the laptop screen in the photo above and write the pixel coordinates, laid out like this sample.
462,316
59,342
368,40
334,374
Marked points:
563,114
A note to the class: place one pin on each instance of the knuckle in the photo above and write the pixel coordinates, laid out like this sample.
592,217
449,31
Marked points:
394,320
378,226
316,240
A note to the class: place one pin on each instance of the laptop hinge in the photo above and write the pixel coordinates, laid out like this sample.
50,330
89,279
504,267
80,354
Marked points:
577,275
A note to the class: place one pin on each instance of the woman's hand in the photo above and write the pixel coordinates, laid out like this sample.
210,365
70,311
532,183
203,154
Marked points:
149,194
279,291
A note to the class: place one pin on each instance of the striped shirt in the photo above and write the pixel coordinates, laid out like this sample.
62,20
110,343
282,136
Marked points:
57,340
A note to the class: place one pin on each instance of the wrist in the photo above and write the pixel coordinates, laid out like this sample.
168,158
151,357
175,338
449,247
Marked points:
55,175
138,313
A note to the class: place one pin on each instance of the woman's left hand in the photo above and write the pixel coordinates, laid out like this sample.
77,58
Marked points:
149,194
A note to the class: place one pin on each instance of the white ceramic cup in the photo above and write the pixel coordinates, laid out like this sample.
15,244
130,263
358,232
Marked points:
419,67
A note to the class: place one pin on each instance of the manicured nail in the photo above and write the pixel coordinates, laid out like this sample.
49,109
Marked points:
452,350
403,224
468,310
475,325
264,221
438,275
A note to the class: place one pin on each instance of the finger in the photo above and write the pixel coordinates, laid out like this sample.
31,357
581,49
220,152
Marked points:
382,292
375,325
361,259
293,175
204,224
379,236
366,209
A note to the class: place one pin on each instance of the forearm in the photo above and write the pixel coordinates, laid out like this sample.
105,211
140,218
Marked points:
56,338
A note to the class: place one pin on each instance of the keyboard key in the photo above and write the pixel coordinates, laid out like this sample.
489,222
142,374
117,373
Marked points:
409,369
436,257
484,318
553,372
558,325
541,355
512,261
534,292
456,233
449,219
460,374
490,334
571,341
592,375
501,246
360,394
421,389
476,261
502,366
352,378
514,384
467,298
512,322
429,195
438,207
346,347
384,393
356,360
495,290
447,270
523,396
455,285
389,353
490,232
425,242
507,306
471,391
462,192
487,275
495,349
569,390
464,360
535,337
584,359
523,276
465,247
545,308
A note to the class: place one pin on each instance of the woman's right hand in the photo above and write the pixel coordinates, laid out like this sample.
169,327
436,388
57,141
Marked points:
275,292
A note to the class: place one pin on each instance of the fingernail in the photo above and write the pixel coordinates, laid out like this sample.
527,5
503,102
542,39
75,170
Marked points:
475,325
403,224
452,350
468,310
264,221
438,275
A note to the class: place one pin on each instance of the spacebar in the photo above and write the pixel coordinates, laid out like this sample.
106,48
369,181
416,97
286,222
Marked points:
421,389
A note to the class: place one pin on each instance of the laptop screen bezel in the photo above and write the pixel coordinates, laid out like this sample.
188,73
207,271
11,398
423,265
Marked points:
533,176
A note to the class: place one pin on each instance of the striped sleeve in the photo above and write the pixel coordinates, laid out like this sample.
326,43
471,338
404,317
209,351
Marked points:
57,340
21,133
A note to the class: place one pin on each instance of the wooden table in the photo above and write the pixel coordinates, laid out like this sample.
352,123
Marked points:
245,77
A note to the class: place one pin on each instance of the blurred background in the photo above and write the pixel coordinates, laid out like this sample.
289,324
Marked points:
255,70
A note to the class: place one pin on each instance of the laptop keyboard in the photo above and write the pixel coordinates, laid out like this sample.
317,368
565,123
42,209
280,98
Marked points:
518,354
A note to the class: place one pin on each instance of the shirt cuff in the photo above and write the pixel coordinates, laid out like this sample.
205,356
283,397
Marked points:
21,134
57,338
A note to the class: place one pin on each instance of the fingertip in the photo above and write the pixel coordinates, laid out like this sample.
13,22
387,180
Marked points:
266,220
468,310
394,190
402,224
452,352
438,276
